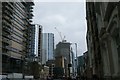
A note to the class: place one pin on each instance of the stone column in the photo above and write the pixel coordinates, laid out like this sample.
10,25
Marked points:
114,58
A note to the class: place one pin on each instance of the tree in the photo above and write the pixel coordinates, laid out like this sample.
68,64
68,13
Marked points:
35,69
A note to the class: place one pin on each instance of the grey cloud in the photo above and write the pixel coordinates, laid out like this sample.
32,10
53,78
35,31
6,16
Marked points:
69,18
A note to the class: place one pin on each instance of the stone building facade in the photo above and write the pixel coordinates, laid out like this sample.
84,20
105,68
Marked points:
103,38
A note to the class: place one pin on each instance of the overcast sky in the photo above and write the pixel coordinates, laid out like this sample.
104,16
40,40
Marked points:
68,17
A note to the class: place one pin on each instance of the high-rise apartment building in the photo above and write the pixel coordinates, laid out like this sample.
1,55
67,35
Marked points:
16,21
47,47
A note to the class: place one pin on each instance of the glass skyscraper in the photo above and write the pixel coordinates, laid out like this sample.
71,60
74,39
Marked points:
47,47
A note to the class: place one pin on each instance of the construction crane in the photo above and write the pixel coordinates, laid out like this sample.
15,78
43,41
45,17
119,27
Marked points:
62,38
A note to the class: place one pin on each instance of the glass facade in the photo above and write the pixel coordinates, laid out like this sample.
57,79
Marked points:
47,47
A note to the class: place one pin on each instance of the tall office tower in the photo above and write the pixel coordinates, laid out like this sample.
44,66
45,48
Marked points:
63,50
73,65
47,47
38,42
16,20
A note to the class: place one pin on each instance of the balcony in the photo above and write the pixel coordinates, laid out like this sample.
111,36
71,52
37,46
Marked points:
16,40
6,19
8,8
6,24
6,29
31,1
8,13
8,47
6,40
6,35
6,53
11,5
